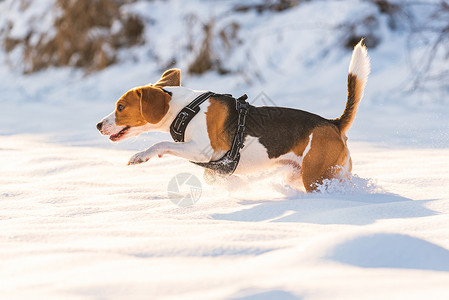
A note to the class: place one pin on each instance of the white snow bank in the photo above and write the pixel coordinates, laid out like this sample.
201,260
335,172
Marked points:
394,251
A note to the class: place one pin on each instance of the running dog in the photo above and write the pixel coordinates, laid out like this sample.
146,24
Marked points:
315,147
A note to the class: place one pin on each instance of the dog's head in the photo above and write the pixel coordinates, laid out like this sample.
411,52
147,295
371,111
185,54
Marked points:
139,107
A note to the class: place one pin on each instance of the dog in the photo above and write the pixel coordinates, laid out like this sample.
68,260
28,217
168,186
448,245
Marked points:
315,147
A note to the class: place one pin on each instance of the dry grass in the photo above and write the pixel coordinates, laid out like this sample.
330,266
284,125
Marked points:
203,61
207,57
86,36
268,5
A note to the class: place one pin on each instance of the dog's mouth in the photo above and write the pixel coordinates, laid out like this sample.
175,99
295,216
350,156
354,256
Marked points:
119,135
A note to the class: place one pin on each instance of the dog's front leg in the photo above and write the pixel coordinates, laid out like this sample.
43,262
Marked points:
189,151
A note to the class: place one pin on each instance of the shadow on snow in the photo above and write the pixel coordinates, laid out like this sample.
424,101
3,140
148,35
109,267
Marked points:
352,209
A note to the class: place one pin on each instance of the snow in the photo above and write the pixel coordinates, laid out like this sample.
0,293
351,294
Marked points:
77,223
36,19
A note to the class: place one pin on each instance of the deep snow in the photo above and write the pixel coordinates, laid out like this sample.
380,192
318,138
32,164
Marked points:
77,223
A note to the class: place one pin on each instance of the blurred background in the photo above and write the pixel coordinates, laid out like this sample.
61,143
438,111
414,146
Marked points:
64,63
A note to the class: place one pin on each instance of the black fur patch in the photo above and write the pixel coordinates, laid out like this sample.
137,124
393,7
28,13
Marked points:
279,129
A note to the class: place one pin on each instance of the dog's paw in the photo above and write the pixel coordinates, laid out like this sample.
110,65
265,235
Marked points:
138,158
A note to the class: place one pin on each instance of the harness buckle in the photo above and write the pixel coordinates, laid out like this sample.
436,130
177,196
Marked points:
241,105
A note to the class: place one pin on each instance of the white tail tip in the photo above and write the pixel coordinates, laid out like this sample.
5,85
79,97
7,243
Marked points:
360,65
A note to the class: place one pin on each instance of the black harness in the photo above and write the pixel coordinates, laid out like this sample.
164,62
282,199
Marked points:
228,163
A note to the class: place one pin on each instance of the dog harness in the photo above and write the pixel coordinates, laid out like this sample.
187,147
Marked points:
228,163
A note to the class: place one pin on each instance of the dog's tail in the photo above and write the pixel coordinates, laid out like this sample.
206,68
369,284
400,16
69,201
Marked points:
359,69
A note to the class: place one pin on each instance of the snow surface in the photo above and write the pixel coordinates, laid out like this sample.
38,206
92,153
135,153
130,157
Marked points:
77,223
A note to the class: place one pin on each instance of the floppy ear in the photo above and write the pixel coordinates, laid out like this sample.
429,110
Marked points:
153,103
170,77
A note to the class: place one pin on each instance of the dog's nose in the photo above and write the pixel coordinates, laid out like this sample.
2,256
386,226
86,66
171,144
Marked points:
99,125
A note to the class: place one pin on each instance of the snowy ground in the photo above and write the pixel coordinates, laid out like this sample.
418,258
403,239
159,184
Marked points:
77,223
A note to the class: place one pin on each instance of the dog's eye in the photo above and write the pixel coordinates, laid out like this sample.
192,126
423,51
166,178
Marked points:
120,107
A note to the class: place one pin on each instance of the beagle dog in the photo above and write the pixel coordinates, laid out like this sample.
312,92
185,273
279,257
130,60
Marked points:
313,146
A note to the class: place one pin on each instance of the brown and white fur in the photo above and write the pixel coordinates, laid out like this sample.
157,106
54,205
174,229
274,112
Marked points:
315,147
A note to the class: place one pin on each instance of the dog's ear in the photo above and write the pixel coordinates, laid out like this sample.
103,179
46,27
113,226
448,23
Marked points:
153,103
170,77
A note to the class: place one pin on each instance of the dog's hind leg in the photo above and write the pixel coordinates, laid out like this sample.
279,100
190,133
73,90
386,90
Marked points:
327,158
292,174
294,180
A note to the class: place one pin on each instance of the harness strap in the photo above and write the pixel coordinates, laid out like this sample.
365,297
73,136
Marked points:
229,162
179,125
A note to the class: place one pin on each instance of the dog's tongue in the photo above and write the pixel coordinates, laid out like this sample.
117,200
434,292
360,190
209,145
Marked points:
114,137
117,136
